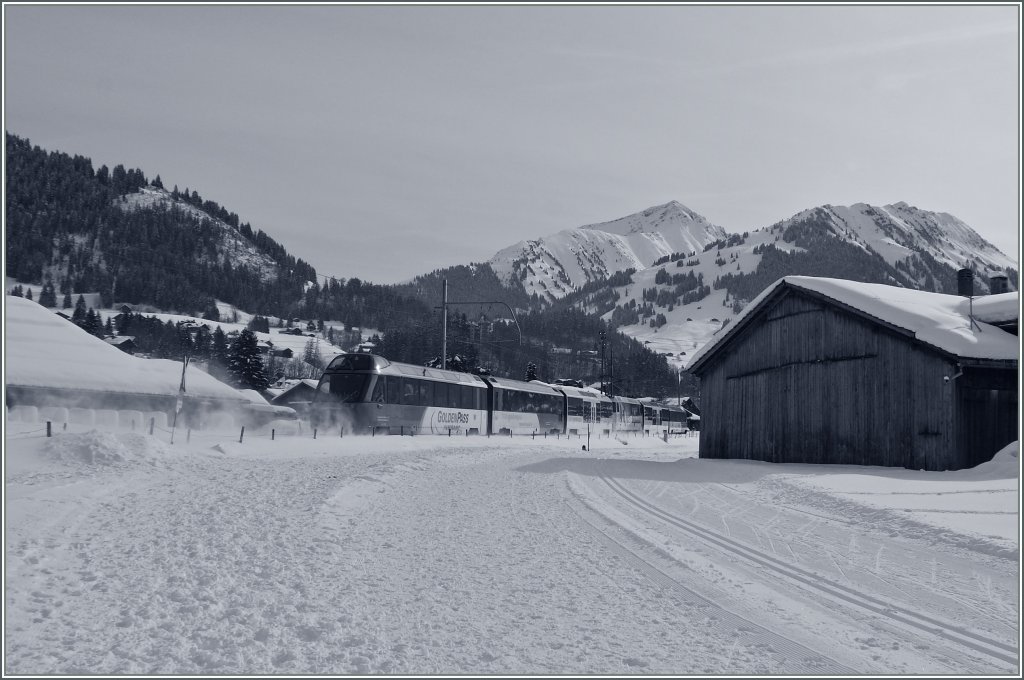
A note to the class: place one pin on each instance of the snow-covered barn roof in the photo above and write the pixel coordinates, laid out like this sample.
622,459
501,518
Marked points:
44,350
307,383
936,319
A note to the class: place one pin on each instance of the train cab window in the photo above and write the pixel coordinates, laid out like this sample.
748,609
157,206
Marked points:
349,387
352,362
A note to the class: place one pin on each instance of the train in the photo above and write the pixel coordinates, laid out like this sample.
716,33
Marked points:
368,394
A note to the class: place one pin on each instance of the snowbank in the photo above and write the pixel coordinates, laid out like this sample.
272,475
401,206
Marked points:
44,350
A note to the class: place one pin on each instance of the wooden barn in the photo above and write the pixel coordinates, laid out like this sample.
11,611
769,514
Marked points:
299,396
831,371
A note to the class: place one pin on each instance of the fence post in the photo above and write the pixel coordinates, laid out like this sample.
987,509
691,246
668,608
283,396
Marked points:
373,430
241,434
66,427
314,433
341,431
449,432
188,437
401,432
152,424
49,425
271,434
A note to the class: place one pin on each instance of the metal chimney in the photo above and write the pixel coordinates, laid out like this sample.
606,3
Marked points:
965,283
998,283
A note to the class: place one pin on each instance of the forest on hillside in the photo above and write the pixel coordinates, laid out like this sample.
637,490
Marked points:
67,232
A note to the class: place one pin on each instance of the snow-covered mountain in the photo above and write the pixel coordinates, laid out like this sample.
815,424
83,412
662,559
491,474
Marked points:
902,233
704,276
233,246
554,266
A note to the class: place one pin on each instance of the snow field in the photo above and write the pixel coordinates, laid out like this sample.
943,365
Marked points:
421,555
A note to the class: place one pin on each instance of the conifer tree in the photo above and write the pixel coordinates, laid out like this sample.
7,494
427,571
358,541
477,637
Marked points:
311,353
48,297
218,353
66,304
78,316
531,371
245,365
28,294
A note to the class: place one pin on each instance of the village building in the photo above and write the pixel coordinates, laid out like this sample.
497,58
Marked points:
819,370
125,343
299,396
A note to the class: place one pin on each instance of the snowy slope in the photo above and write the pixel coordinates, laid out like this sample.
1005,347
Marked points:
898,231
127,555
555,265
233,247
44,350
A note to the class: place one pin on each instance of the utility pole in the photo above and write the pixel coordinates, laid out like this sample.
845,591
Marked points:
444,324
444,319
611,368
602,363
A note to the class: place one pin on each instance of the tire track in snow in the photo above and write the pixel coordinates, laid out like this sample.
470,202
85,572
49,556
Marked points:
744,631
988,647
947,588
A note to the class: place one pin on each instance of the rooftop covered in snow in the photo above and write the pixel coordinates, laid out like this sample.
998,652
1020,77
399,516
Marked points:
936,319
45,350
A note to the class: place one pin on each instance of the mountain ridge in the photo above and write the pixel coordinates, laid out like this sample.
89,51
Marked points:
679,300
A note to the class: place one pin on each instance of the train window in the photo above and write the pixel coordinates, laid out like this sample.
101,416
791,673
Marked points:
352,362
499,400
409,395
349,387
575,406
391,388
379,390
426,392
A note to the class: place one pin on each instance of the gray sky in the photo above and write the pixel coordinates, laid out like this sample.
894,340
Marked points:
385,142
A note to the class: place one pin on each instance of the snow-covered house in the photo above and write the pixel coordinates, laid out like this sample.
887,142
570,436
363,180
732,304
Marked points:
299,396
819,370
55,364
125,343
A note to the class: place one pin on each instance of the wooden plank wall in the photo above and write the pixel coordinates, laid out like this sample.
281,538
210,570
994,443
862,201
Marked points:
986,413
811,383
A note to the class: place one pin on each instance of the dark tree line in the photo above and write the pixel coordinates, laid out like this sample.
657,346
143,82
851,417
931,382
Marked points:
67,228
64,223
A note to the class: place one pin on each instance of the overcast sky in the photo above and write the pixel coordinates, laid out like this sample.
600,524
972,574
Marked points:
385,142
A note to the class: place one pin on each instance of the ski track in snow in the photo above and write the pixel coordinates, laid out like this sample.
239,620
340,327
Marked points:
491,559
